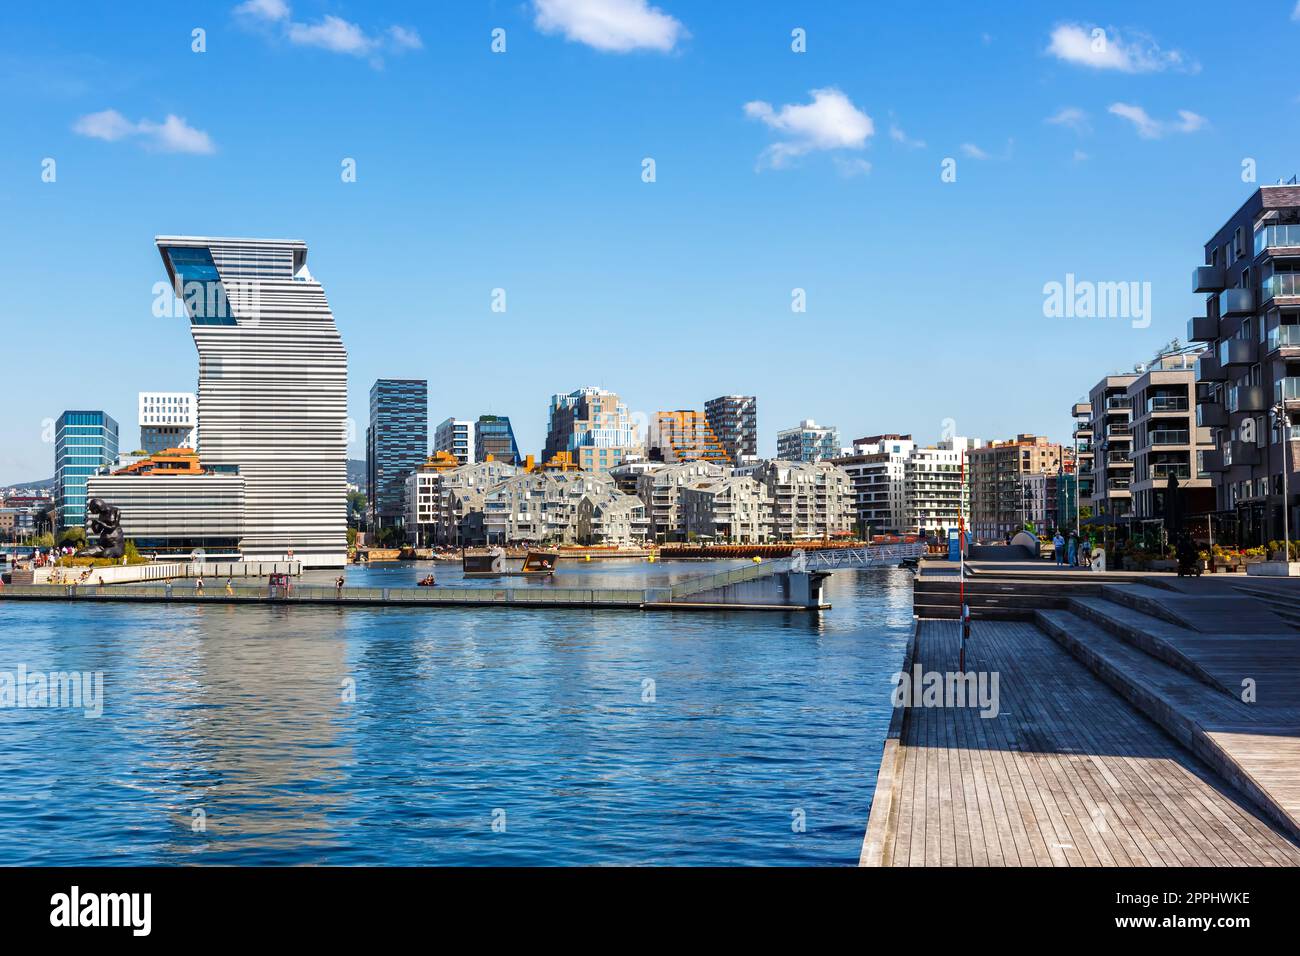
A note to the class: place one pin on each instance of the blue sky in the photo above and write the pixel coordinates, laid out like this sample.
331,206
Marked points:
775,170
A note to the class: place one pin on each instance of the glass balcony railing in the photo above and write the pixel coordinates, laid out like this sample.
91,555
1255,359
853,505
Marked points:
1161,472
1284,336
1167,403
1171,437
1280,283
1119,402
1279,236
1287,389
1121,430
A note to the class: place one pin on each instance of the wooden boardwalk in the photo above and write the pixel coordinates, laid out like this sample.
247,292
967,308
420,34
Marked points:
1067,774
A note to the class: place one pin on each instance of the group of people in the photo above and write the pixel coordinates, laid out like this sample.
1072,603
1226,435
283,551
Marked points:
1073,553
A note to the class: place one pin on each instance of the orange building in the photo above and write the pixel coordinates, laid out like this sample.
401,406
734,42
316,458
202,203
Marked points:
685,435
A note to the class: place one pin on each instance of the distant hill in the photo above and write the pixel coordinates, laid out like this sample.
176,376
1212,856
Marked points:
357,472
46,485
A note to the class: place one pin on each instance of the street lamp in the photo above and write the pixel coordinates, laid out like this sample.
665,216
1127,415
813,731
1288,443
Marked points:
1283,421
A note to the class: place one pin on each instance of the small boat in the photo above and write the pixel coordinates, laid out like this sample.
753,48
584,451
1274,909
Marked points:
491,563
540,562
426,581
909,564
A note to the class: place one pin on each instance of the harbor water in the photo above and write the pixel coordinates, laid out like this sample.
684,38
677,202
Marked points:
487,736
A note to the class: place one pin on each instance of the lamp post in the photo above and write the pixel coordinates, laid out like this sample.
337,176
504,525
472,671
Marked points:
1283,421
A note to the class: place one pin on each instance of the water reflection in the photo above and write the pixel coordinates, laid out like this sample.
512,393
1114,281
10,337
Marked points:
602,736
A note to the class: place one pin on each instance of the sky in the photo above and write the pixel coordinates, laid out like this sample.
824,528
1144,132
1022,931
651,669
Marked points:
915,176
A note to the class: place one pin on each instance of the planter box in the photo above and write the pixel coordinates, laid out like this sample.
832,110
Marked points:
1274,569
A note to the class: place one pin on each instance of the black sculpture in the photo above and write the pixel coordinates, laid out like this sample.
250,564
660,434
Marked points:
103,525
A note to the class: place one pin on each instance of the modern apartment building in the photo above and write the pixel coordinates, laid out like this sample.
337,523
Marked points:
272,398
541,507
1112,446
612,519
84,443
998,504
810,500
1248,380
593,426
661,490
456,437
1081,412
684,435
439,499
808,441
397,441
735,509
167,420
494,436
900,487
878,471
734,420
1166,438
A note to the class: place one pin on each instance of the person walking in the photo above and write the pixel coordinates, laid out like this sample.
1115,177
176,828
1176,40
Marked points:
1074,550
198,585
230,591
1085,552
1058,546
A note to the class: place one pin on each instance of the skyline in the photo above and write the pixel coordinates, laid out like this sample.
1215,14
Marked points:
529,166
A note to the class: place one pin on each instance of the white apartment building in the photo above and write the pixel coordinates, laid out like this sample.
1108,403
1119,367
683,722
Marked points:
901,488
810,500
808,441
611,518
735,509
541,506
455,437
272,397
167,420
438,501
660,489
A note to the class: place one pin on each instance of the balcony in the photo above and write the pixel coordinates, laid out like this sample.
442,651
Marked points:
1120,402
1239,453
1212,461
1202,328
1171,436
1160,471
1280,284
1211,415
1207,279
1284,337
1208,369
1236,302
1167,403
1247,399
1287,389
1238,352
1278,236
1119,431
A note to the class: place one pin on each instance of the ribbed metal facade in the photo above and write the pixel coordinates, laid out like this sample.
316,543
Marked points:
272,396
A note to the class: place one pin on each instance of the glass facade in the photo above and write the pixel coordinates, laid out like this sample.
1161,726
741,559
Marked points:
396,444
200,286
494,436
84,442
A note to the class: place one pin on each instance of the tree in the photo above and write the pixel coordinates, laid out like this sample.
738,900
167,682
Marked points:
73,537
356,509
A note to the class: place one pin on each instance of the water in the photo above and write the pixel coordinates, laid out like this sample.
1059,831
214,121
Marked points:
226,737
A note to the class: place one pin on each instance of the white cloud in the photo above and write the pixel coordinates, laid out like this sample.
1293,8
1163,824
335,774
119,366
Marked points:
974,152
1070,117
850,166
613,26
1150,128
1091,46
830,121
332,33
1080,156
898,136
264,9
1295,14
172,135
